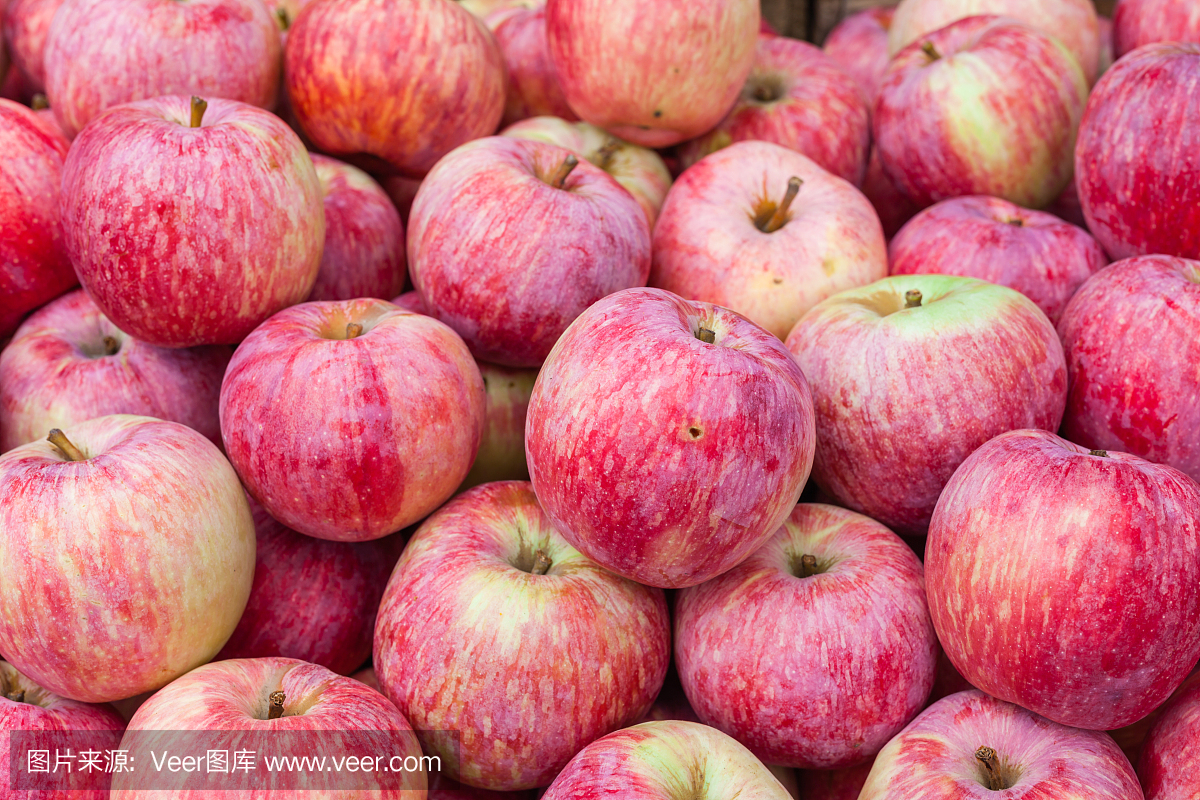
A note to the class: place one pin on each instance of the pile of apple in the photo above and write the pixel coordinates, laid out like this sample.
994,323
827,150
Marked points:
664,270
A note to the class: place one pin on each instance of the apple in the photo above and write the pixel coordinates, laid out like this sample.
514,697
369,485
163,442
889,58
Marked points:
986,105
946,679
1170,755
973,745
1142,22
215,48
860,44
172,255
1073,22
34,267
837,784
26,23
668,439
1038,254
272,707
130,539
367,676
349,420
402,191
533,89
485,8
640,170
1107,54
443,788
313,600
654,74
402,88
364,237
1082,544
766,232
1138,197
1067,207
68,364
893,206
538,651
1132,341
910,375
817,649
509,240
666,760
800,98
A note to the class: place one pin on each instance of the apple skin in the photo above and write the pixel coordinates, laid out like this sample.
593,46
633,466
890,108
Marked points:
26,23
663,458
1038,254
533,88
1129,178
707,247
1107,54
312,600
34,267
435,73
839,784
893,206
859,43
364,237
1170,755
351,466
508,260
1038,628
654,74
666,760
852,646
798,97
233,696
161,546
213,48
55,374
995,114
1141,22
934,757
1131,336
1074,22
640,170
173,255
582,651
903,395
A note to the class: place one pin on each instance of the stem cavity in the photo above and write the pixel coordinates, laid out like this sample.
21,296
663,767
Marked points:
541,563
912,298
69,451
564,169
275,709
780,217
111,346
991,767
199,106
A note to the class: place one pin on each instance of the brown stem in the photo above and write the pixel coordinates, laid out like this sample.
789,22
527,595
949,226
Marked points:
541,563
706,335
1017,222
912,298
928,49
564,169
991,765
199,106
69,451
1100,453
275,710
604,155
353,330
808,565
780,217
16,695
281,17
39,102
111,346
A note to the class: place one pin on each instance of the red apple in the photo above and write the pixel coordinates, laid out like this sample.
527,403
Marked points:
860,44
985,105
26,23
404,88
1073,22
640,170
910,375
734,233
1142,22
893,206
130,539
271,707
1132,341
189,234
364,237
946,679
34,267
1049,570
402,191
350,420
313,600
668,439
367,676
1067,207
1038,254
1137,191
667,760
215,48
970,745
538,650
654,74
838,784
533,89
815,650
1107,54
1169,764
800,98
509,240
68,364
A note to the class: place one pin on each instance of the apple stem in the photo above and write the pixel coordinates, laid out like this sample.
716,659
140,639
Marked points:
780,217
912,298
1098,453
111,346
353,330
39,102
808,565
199,106
69,451
987,757
604,155
281,17
1017,222
564,169
275,710
928,49
17,695
541,563
706,335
